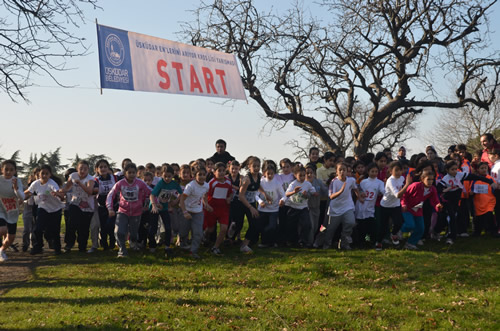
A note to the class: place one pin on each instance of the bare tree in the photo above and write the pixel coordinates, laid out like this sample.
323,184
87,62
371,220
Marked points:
466,126
34,39
362,78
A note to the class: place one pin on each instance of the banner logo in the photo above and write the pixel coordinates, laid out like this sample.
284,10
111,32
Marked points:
115,52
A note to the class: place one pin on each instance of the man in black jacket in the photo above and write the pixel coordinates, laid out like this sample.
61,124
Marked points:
221,155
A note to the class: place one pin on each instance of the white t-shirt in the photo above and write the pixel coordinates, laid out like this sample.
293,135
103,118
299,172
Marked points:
9,199
392,187
79,197
285,180
372,188
343,203
299,200
495,171
194,196
273,189
45,199
454,182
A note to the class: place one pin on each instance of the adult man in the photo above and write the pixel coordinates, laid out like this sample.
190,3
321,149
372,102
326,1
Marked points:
221,155
489,143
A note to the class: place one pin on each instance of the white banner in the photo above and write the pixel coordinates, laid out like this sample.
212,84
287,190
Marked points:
137,62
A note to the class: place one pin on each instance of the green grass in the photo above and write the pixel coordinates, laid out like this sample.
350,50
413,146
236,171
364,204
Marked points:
436,288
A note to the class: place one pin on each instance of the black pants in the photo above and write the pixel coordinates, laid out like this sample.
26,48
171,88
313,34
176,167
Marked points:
464,215
153,228
236,216
451,211
393,213
49,223
363,228
78,227
107,227
298,225
258,228
485,222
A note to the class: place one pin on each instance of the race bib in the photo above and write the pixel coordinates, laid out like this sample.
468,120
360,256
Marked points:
9,204
250,195
369,195
130,194
166,196
481,189
220,193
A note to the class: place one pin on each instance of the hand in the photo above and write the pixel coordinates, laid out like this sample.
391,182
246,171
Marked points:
305,194
187,215
281,203
439,207
111,213
269,199
76,181
296,190
228,200
209,208
262,204
404,209
255,212
361,198
154,208
14,184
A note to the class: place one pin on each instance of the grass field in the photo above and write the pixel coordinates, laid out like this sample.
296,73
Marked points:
438,287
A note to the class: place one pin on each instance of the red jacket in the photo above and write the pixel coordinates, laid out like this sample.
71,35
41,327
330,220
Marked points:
415,195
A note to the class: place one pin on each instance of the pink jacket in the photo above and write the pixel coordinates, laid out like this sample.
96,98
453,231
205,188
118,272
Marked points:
132,197
415,195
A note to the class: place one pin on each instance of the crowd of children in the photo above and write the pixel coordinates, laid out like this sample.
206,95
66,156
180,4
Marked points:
345,202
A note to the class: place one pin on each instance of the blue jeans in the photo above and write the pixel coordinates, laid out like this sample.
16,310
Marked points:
415,225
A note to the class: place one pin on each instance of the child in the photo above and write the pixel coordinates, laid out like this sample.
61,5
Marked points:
11,192
29,214
219,198
494,158
133,193
450,188
412,203
49,209
341,209
121,174
267,222
298,220
372,188
209,164
484,202
105,181
168,193
81,207
314,157
390,204
146,231
236,209
191,202
285,178
314,201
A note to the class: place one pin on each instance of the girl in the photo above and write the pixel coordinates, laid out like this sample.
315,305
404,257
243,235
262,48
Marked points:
450,188
11,192
49,209
236,209
133,193
165,195
390,204
314,201
81,207
29,213
494,158
372,188
267,222
248,190
411,206
285,178
298,193
314,157
341,209
185,177
105,180
191,202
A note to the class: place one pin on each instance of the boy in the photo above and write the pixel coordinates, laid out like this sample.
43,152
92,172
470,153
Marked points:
219,198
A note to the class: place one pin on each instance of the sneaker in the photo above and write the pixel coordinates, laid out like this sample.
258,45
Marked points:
464,235
411,247
435,236
121,255
3,256
216,251
395,239
420,242
232,230
449,241
92,250
67,249
245,249
378,246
